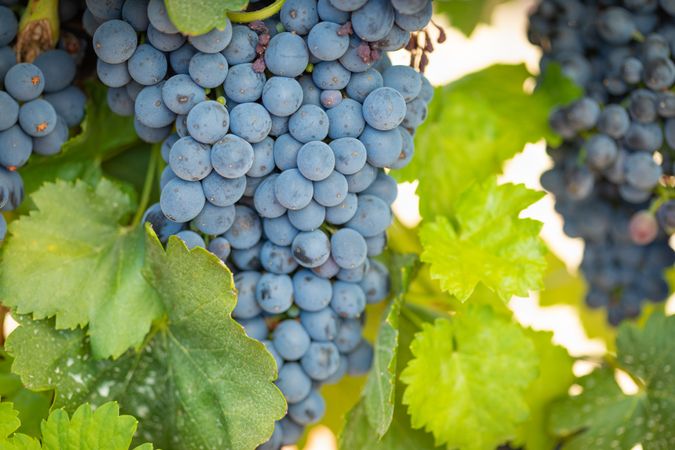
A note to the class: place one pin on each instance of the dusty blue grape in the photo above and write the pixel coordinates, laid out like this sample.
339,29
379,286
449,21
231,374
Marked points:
166,146
373,216
255,327
51,143
220,247
252,184
349,335
279,230
312,293
363,83
384,187
209,70
287,55
250,121
282,96
321,325
24,82
615,25
150,109
15,147
311,95
332,191
396,39
191,239
162,226
151,134
384,109
311,248
159,17
90,23
417,21
416,113
308,218
427,91
286,152
133,89
274,293
376,282
330,75
58,68
208,122
327,270
105,10
243,84
277,259
348,300
190,159
316,161
407,150
321,360
37,117
309,123
354,275
348,248
346,120
326,42
136,13
181,200
309,411
214,41
7,61
294,383
8,26
112,75
214,220
242,46
232,156
291,340
383,147
247,306
248,258
148,65
360,181
374,20
292,190
115,41
350,155
642,172
167,175
223,191
179,60
352,59
11,189
165,42
330,99
361,358
265,199
181,94
269,345
10,111
329,13
279,125
263,158
376,244
299,16
342,213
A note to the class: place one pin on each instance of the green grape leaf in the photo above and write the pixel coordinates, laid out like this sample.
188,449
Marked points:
201,16
103,134
72,258
9,420
32,406
198,381
452,390
471,130
487,242
379,393
603,416
554,380
466,15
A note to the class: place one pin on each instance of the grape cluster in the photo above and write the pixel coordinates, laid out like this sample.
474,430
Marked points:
612,176
38,106
283,131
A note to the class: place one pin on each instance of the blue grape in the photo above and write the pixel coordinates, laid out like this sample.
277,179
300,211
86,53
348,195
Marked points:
346,119
321,325
361,358
162,226
37,118
159,17
181,200
339,373
417,21
416,113
330,99
263,158
265,199
326,42
353,60
166,42
251,121
287,55
348,5
246,230
223,191
330,75
248,258
232,156
601,151
614,121
7,61
179,60
332,191
291,340
58,68
112,75
342,213
147,66
242,46
330,13
150,109
279,230
191,239
294,383
311,248
282,96
273,351
279,125
252,184
151,134
409,6
349,335
133,89
363,83
311,95
396,39
373,216
105,10
292,190
181,94
642,172
316,162
374,20
376,244
348,248
190,159
309,123
51,143
383,147
214,41
15,147
274,293
299,16
221,248
360,181
407,151
327,270
321,360
209,70
136,13
384,108
90,22
350,155
384,187
10,111
255,328
286,152
208,122
115,41
308,218
375,284
354,275
24,82
615,25
277,259
274,441
11,189
308,411
8,26
312,293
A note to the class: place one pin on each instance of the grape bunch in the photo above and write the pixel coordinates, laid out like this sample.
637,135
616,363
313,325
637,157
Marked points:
612,176
276,136
38,106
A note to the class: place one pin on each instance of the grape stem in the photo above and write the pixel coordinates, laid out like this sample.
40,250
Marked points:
38,29
261,14
148,184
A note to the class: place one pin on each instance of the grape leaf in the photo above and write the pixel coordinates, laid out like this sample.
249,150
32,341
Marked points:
603,416
199,17
553,382
198,381
103,133
487,242
471,130
9,420
465,15
452,388
73,259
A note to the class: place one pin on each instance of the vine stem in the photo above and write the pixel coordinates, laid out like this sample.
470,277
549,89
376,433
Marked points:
261,14
38,29
147,185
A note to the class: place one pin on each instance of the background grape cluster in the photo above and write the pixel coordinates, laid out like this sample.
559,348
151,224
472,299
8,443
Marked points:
38,102
276,136
612,176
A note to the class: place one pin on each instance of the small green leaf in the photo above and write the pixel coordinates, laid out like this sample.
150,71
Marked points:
196,17
452,388
487,243
73,259
198,382
9,420
603,416
465,15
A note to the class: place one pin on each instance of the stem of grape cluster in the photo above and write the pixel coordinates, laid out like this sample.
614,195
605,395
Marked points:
38,29
261,14
148,184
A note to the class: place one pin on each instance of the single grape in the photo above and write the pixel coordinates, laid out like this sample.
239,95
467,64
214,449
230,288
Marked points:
327,42
321,360
292,190
208,70
346,119
37,118
265,200
15,147
251,121
274,293
384,108
221,248
58,68
291,340
316,162
115,41
282,96
246,230
348,300
309,218
150,109
309,123
182,201
208,121
232,157
294,383
311,248
287,55
191,239
279,230
223,191
374,20
214,41
24,82
180,94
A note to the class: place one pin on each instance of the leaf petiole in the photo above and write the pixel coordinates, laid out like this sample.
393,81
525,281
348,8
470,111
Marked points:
147,185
